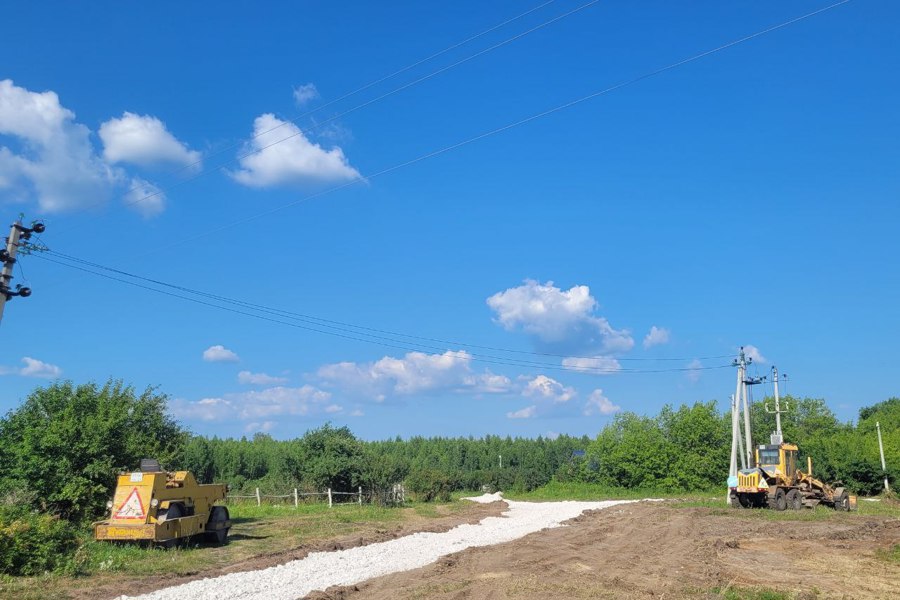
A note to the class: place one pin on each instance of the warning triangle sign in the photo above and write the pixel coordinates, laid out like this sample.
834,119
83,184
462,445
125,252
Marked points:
132,508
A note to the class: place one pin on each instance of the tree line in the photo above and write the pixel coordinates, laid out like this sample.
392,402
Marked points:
62,448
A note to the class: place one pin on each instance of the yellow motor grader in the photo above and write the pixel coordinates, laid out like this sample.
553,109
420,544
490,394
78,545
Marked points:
159,507
777,483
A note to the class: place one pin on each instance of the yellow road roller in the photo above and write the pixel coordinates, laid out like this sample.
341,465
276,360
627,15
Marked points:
159,507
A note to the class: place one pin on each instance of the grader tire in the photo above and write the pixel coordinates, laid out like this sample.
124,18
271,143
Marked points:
780,500
794,500
842,501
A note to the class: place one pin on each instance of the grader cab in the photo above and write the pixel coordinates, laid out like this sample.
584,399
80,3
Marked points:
159,507
777,483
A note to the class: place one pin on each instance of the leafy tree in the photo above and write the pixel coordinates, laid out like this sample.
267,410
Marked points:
65,444
332,458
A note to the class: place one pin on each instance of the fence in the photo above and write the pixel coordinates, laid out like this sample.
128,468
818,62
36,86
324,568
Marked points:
297,495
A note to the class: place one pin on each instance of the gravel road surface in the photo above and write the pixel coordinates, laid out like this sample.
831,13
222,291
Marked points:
320,570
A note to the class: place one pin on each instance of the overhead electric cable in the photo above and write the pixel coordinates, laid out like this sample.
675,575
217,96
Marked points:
373,83
380,340
504,128
221,166
299,132
353,328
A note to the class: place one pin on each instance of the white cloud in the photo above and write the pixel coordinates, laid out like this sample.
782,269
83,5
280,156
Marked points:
546,388
145,198
263,427
754,354
656,336
248,378
280,154
415,373
694,372
598,403
55,160
304,93
258,405
357,413
33,368
333,408
143,140
557,318
526,413
219,353
598,365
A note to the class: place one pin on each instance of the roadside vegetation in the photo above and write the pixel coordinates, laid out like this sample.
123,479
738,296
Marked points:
60,452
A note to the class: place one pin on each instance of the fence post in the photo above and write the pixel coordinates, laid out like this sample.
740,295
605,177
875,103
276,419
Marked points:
258,500
296,501
329,497
360,495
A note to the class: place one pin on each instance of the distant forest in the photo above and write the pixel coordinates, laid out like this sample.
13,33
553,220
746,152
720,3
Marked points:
62,448
679,449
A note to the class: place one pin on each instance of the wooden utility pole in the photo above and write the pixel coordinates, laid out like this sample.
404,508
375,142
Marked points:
18,234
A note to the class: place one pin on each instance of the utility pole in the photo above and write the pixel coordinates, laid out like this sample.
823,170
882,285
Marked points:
749,381
740,394
777,437
887,488
736,442
501,460
18,236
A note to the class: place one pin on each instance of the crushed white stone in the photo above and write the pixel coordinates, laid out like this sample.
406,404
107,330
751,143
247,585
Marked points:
320,570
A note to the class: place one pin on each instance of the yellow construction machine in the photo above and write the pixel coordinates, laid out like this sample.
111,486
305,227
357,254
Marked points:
777,483
155,506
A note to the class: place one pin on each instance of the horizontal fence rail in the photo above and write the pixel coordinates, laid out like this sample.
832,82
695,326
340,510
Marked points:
296,495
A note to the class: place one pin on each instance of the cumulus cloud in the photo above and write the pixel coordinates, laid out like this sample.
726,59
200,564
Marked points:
656,336
754,354
33,368
280,154
143,140
49,156
145,198
304,93
526,413
219,353
264,427
694,371
598,365
548,388
248,378
598,403
415,373
259,405
562,320
54,159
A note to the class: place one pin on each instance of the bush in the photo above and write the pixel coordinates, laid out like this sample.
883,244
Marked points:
65,444
32,543
430,484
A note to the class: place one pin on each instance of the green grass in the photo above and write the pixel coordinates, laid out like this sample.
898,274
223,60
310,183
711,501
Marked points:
556,490
743,593
891,555
819,513
256,531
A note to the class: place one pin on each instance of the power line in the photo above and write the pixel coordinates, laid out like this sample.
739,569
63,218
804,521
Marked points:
221,166
367,103
504,128
351,335
319,321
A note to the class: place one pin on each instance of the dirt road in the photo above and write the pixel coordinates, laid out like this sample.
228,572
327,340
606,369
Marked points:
653,550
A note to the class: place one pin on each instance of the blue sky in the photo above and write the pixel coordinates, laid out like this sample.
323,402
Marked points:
746,198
